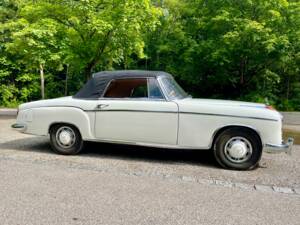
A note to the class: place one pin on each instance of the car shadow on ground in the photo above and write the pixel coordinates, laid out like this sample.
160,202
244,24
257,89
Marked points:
117,151
131,152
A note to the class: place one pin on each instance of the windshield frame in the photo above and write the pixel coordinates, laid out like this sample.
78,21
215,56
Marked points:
180,93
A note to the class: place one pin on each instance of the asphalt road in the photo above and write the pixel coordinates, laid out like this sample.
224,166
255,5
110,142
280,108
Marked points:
114,184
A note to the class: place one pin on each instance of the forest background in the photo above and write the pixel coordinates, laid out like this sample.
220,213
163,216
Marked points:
229,49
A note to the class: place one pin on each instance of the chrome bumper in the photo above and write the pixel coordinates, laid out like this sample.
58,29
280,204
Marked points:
19,127
284,147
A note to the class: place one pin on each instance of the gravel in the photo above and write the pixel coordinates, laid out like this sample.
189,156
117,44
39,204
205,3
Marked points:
114,184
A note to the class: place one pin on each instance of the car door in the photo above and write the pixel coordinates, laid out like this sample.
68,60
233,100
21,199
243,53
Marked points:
135,110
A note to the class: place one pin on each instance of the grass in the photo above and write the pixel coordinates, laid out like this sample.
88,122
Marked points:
292,133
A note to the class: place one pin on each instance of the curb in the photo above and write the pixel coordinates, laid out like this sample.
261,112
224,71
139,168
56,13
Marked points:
291,118
264,188
8,112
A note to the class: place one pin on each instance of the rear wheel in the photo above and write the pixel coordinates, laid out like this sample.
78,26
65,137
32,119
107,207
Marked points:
65,139
238,148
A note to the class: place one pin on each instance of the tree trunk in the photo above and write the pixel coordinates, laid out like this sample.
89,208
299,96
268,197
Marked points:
88,71
242,65
66,81
125,62
42,81
102,45
288,88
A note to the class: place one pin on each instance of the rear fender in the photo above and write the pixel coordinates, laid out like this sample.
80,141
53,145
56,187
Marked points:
41,119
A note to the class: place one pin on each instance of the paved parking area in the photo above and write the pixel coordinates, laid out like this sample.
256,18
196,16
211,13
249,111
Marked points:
114,184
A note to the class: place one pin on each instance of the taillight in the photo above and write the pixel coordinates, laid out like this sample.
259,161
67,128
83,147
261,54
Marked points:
270,107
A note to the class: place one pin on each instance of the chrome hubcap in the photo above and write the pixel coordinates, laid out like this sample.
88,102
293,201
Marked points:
238,149
65,137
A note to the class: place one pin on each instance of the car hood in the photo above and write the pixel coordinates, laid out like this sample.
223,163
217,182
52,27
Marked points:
222,102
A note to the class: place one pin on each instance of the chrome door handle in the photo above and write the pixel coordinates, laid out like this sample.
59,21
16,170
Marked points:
102,106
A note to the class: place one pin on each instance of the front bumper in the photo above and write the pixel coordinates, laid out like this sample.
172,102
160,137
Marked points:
284,147
19,127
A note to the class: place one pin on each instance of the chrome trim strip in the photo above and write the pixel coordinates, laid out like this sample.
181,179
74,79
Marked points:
134,110
226,115
103,110
52,106
133,99
182,112
193,113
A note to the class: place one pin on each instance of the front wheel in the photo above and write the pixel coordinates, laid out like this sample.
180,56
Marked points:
238,148
65,139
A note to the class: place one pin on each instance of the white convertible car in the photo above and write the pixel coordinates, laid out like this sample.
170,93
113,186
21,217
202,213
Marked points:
149,108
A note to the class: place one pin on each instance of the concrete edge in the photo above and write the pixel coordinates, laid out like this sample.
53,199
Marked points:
291,118
8,112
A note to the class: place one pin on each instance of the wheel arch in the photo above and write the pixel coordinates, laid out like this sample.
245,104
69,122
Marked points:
63,123
243,127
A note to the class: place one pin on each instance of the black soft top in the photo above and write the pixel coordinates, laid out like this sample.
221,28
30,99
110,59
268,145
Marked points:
95,87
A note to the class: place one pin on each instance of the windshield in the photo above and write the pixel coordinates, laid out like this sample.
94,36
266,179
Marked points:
173,90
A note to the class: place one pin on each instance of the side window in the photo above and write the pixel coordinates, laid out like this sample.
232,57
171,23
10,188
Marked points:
134,88
154,90
127,88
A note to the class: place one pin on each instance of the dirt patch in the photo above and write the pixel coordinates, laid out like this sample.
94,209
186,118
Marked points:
292,133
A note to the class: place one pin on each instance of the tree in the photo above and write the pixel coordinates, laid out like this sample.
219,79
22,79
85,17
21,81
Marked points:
228,49
36,45
99,32
16,83
247,50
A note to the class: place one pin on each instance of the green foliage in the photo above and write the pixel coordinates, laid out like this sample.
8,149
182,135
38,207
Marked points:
16,84
246,50
97,33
